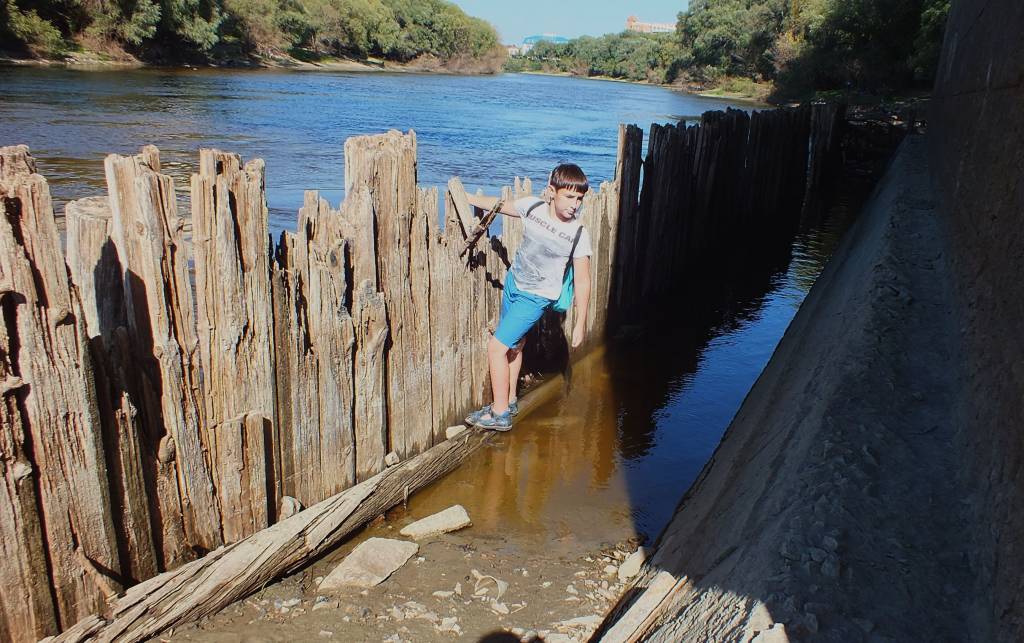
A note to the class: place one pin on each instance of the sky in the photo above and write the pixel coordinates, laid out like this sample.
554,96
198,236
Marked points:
517,19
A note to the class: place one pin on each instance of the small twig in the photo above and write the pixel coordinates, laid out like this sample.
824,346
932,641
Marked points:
481,227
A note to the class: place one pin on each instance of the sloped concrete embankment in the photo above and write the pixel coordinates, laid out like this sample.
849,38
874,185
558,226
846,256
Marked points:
977,153
872,485
828,512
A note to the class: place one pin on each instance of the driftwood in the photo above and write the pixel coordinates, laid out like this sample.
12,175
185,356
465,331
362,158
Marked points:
229,573
481,228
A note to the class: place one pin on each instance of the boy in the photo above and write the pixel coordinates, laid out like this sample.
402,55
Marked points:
550,230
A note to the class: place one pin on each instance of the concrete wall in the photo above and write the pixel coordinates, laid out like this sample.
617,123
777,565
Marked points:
977,157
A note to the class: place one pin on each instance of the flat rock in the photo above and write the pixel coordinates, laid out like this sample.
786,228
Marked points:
589,622
453,431
450,519
370,563
631,566
775,634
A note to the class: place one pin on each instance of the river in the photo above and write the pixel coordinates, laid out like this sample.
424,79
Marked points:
484,129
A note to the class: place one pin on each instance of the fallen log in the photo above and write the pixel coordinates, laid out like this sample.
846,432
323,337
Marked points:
229,573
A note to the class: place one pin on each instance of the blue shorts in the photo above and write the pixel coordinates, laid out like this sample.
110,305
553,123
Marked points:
519,312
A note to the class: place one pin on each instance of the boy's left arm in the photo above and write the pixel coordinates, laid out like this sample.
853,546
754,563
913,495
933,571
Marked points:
581,290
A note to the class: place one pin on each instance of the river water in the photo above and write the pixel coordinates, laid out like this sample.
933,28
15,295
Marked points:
612,456
486,130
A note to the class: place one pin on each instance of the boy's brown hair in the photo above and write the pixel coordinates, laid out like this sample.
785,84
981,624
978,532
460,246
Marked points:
569,175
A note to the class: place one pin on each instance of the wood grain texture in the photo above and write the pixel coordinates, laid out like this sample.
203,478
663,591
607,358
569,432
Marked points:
149,238
55,397
234,319
27,610
96,273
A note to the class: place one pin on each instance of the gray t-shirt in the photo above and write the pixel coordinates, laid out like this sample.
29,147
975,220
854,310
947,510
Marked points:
539,264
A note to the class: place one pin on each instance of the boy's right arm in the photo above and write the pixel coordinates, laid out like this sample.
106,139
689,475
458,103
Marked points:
485,203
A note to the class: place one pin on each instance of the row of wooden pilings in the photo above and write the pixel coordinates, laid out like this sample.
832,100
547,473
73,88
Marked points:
165,393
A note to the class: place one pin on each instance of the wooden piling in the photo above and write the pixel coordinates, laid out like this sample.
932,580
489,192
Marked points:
387,165
150,243
235,325
97,275
51,419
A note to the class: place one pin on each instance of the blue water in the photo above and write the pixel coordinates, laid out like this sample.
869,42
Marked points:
484,129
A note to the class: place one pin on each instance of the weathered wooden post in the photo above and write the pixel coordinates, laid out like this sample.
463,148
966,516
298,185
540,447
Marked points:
387,165
314,337
55,474
149,238
231,246
97,275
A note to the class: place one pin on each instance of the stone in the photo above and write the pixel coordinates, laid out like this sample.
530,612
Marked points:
370,563
450,624
453,431
443,594
610,570
451,519
571,589
775,634
631,566
499,607
589,622
392,459
289,507
817,555
830,568
326,634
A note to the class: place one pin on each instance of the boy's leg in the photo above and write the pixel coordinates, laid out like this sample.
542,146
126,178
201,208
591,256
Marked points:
497,359
515,364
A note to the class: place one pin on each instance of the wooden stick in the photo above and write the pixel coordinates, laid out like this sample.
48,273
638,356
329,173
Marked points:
481,227
227,574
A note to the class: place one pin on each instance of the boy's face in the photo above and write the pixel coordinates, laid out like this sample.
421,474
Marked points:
567,201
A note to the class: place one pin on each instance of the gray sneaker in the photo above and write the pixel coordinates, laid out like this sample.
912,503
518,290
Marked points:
513,406
495,422
472,418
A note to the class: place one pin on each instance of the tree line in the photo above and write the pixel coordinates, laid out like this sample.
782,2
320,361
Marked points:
800,46
170,30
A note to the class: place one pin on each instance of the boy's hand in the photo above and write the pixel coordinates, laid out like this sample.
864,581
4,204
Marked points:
579,331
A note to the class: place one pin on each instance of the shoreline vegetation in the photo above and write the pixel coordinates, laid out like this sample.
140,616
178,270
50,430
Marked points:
420,34
767,51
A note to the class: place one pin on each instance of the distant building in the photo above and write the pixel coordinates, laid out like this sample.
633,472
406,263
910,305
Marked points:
513,50
633,24
530,41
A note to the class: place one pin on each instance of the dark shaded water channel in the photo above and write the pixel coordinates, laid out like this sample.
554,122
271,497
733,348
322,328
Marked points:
642,416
